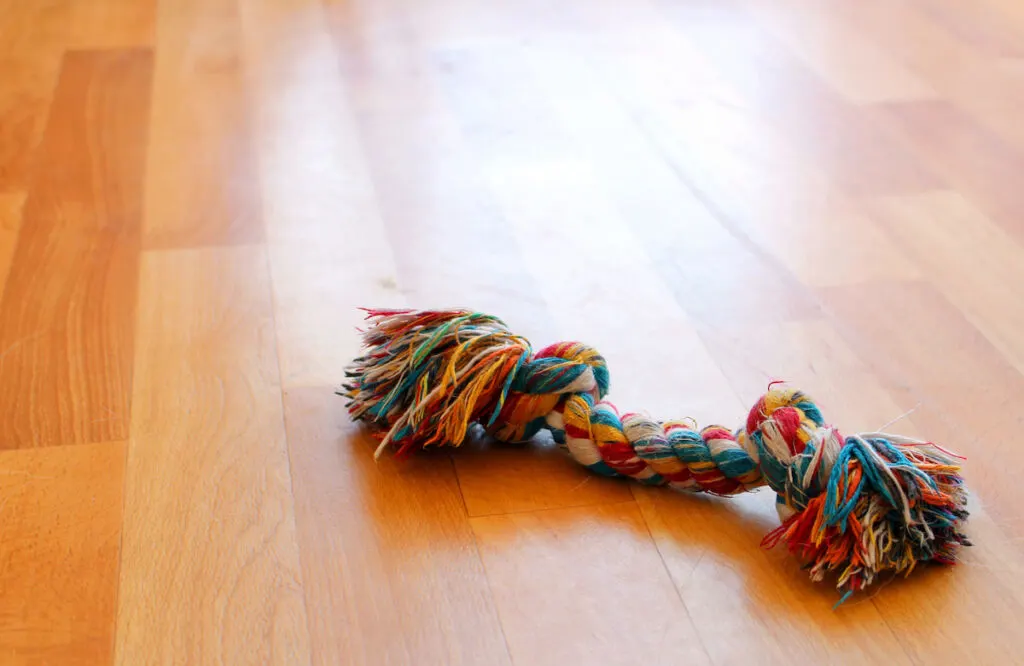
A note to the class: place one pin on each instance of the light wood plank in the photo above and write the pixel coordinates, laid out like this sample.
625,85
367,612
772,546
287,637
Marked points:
774,212
813,355
831,134
987,88
203,186
871,628
638,54
1005,12
975,160
426,174
30,58
451,241
585,585
912,38
692,239
496,479
433,27
425,177
950,238
112,24
712,546
716,193
429,188
928,606
210,563
329,250
778,199
548,191
60,515
965,401
392,571
928,612
840,55
67,314
11,205
711,549
984,27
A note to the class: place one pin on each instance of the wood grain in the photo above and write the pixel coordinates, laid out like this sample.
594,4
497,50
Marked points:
789,211
60,515
202,187
391,567
207,476
712,550
67,314
886,323
949,238
840,55
928,610
711,546
30,60
496,479
975,159
816,355
422,166
539,189
689,229
585,585
986,28
425,173
113,24
986,88
716,194
836,136
328,248
11,205
927,48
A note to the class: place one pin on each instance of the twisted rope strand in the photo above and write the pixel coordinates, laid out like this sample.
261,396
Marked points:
854,506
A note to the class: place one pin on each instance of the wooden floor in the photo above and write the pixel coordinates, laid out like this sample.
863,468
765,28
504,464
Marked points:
196,196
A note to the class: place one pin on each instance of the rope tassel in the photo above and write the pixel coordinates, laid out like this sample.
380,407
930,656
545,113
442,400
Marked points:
855,507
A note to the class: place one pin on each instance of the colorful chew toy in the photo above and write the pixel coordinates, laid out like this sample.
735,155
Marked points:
857,506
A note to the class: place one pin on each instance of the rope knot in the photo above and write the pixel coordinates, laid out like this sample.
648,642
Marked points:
797,448
542,382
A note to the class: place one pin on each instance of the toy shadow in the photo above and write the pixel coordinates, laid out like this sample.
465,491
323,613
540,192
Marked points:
710,546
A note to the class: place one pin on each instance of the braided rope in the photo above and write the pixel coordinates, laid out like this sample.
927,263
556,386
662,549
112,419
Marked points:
855,506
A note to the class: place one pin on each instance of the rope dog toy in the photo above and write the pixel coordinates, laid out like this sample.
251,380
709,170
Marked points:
856,506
